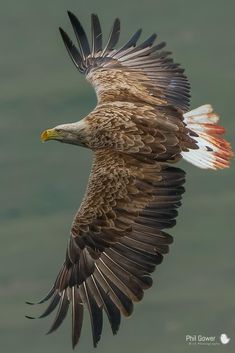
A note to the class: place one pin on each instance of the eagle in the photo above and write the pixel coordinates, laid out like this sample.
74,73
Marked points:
139,129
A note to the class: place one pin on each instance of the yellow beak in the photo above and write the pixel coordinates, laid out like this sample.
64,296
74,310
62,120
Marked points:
49,134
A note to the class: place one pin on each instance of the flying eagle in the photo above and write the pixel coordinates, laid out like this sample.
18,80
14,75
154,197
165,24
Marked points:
140,127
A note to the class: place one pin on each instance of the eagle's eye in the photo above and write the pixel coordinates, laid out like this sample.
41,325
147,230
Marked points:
58,130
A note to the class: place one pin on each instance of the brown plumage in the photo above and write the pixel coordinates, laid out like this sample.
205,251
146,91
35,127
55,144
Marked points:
137,129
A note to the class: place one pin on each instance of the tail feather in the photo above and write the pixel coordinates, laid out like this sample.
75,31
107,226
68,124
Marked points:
213,151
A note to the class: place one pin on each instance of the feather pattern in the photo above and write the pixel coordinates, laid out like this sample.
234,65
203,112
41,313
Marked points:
96,35
137,129
61,313
110,308
80,35
72,50
53,304
113,37
135,71
77,315
95,312
130,222
130,44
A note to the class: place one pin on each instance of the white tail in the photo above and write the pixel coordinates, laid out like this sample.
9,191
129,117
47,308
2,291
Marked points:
214,152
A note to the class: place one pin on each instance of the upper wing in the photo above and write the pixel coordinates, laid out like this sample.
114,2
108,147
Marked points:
116,240
132,73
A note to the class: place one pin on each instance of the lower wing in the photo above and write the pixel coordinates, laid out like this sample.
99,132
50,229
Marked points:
117,239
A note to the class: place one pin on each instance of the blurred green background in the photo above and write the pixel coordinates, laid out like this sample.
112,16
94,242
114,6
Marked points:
42,187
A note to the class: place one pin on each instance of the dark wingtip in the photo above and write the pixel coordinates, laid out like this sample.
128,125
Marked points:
63,35
117,23
30,303
70,13
149,42
72,17
117,19
96,34
161,46
61,30
153,37
113,37
74,345
80,35
30,317
138,34
43,300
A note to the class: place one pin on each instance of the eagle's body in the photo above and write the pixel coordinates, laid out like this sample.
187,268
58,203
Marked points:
141,125
134,128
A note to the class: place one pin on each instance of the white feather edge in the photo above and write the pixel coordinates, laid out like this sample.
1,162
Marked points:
203,109
202,157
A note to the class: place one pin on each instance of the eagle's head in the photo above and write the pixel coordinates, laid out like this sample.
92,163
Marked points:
73,133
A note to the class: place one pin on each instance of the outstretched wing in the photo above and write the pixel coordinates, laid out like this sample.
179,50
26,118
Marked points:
137,73
117,239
